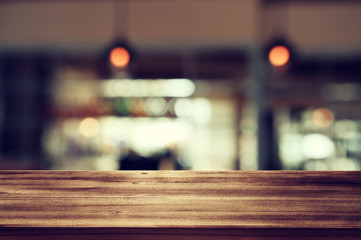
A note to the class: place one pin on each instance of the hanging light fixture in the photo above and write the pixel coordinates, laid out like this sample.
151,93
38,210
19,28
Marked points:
279,54
119,55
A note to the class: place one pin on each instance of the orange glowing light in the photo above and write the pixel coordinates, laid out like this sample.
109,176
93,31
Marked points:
322,117
279,56
119,57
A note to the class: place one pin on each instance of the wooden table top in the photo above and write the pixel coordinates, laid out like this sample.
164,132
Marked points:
180,200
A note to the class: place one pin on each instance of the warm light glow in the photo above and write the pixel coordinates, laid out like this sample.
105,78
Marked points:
279,56
322,117
119,57
89,127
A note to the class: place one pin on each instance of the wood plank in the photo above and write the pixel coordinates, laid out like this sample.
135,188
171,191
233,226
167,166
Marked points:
180,204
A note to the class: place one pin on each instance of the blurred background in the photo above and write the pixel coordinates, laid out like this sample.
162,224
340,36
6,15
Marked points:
180,84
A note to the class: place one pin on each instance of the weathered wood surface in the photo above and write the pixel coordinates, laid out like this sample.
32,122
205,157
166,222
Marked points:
167,204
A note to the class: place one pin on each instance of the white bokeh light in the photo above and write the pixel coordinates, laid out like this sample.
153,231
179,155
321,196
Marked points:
317,146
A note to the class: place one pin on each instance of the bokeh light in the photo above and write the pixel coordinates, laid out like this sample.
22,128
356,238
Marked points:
346,128
279,56
148,88
322,117
317,146
119,57
178,88
89,127
156,106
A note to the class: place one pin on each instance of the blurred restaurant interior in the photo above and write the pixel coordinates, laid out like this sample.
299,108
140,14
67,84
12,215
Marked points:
180,85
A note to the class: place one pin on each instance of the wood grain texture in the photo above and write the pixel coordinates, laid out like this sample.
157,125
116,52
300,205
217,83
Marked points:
160,203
